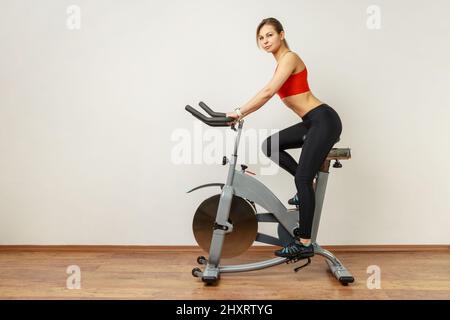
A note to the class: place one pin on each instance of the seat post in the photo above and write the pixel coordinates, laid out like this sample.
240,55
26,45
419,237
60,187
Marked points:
320,185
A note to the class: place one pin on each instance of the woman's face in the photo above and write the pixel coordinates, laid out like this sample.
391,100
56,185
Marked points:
269,39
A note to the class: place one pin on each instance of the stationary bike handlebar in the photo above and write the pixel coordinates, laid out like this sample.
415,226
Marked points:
217,119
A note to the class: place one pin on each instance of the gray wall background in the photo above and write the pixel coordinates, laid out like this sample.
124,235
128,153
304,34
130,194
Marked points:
88,117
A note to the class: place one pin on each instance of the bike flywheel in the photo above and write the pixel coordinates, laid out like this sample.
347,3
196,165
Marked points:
242,217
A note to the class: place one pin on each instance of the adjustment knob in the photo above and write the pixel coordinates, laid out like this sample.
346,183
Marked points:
224,160
243,167
337,164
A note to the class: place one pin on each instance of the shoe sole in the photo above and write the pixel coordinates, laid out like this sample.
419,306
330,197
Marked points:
309,255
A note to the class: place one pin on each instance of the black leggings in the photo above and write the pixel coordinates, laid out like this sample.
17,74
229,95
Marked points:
320,129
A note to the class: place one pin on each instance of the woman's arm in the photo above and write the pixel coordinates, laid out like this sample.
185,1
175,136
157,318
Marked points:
285,68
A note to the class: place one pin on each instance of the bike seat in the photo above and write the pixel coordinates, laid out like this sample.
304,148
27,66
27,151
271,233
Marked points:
339,154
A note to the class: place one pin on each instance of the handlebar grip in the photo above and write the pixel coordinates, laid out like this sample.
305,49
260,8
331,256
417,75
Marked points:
217,121
211,112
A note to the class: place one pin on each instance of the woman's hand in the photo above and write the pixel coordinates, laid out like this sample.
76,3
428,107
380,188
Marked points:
233,115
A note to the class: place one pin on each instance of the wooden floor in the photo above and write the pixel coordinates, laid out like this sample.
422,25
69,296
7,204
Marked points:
166,274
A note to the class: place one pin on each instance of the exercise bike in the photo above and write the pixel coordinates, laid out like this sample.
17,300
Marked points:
226,224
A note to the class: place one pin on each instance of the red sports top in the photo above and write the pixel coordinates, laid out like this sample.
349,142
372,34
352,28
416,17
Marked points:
295,84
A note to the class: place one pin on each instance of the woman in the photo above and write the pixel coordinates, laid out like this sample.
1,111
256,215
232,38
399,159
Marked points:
316,134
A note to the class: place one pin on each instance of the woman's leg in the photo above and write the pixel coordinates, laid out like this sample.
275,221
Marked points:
320,139
290,138
324,128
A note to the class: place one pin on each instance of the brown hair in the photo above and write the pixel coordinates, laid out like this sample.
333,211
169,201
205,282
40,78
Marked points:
274,23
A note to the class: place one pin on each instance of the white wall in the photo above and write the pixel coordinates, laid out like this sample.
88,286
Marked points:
87,116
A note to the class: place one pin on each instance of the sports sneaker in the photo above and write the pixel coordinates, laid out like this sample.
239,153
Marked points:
296,250
295,201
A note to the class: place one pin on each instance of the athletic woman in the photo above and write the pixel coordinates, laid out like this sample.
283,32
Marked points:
316,134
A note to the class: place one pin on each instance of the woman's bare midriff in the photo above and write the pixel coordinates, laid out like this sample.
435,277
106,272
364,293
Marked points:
302,103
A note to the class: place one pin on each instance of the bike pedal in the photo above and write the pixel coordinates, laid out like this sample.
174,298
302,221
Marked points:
292,260
297,259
